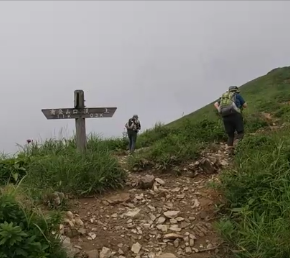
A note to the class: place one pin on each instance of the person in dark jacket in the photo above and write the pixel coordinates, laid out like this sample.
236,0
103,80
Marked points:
133,127
230,106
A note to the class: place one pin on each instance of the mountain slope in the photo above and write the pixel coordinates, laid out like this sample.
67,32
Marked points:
267,98
256,190
263,94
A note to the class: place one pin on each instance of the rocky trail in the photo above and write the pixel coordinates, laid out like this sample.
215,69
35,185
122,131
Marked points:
155,216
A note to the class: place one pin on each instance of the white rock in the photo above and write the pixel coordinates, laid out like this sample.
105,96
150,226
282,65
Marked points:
160,181
132,213
79,222
171,214
160,220
179,219
173,221
92,235
105,253
172,236
188,250
163,228
69,215
136,248
175,228
166,255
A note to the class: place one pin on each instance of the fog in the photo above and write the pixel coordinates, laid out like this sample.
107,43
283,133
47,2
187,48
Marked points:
157,59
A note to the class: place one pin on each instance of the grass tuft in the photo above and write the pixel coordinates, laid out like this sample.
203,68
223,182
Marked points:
58,166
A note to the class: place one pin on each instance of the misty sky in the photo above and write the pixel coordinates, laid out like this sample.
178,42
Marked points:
156,59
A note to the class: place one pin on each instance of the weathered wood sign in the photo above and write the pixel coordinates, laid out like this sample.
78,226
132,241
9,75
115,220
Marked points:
80,112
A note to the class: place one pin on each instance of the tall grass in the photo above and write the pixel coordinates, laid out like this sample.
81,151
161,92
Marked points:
57,165
258,197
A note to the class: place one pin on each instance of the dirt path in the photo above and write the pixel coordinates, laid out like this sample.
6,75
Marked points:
156,216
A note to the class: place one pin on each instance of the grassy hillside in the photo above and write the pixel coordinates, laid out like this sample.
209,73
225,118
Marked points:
182,139
259,93
257,189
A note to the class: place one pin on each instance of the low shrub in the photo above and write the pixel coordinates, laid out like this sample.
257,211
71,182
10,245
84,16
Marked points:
12,170
24,232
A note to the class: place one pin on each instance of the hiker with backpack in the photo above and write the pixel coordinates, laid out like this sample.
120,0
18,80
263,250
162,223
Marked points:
133,127
230,106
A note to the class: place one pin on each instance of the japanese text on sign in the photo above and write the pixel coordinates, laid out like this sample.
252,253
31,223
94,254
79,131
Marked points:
62,113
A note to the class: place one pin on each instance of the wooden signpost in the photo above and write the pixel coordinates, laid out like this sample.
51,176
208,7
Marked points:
80,112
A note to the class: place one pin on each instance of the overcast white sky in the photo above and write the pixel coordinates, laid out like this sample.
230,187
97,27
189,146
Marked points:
156,59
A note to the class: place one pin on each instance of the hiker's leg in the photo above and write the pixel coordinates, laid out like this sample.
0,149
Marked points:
230,130
239,126
134,139
130,140
231,138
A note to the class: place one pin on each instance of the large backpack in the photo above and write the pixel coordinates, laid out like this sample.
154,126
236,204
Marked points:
131,125
227,104
128,125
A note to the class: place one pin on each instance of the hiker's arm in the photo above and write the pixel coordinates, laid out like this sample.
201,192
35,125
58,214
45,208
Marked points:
217,104
243,102
138,126
129,127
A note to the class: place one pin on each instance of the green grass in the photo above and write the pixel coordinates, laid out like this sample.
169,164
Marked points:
257,191
182,139
256,214
170,146
57,166
42,169
24,231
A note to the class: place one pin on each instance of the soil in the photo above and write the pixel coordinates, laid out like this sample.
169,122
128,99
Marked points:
171,215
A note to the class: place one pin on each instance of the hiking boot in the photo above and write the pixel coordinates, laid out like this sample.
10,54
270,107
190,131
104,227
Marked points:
236,141
230,150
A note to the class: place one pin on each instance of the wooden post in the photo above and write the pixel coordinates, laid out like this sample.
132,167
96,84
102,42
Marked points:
81,137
